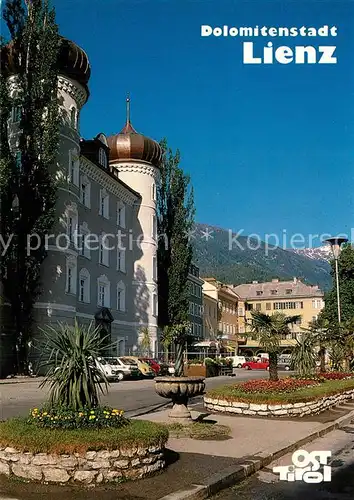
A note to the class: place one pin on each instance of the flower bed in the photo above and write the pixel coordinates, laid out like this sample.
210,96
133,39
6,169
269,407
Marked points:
84,455
286,397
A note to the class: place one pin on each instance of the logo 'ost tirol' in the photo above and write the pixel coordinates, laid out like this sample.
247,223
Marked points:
269,54
306,467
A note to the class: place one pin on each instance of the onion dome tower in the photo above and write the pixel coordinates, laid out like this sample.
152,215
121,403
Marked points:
137,158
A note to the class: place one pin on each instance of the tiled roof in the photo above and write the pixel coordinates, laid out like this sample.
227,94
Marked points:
284,290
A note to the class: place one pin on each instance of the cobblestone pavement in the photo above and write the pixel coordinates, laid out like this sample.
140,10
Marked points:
265,485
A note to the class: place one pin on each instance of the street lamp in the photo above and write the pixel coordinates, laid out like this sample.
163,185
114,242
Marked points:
336,243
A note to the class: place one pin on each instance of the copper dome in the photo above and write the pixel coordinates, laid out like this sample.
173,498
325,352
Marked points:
72,61
130,145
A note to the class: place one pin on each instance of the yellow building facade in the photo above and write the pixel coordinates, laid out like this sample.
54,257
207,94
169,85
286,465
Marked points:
289,297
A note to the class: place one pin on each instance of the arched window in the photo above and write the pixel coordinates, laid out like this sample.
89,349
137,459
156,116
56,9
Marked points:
84,286
73,117
71,274
120,214
121,296
102,157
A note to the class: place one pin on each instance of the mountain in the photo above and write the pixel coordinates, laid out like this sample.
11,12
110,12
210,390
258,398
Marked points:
323,253
239,259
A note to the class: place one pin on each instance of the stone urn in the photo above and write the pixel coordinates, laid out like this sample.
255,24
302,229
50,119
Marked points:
179,390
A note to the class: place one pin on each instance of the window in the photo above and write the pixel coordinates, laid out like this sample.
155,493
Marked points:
71,270
16,114
258,307
268,306
18,160
103,291
314,318
120,214
102,157
298,321
154,268
317,304
259,292
240,311
103,251
288,305
104,204
190,307
84,243
154,228
71,223
73,121
85,191
273,292
154,304
84,286
121,260
121,296
74,164
288,291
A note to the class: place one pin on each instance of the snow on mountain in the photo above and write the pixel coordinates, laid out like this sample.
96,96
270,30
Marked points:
320,253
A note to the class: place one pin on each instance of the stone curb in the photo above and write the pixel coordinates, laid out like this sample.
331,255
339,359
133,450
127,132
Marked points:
20,381
234,474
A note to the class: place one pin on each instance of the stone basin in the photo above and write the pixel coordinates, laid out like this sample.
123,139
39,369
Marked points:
179,390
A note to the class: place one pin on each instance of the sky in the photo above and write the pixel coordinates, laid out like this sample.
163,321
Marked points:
270,148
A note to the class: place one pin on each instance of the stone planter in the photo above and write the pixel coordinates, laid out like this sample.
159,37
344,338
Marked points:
179,390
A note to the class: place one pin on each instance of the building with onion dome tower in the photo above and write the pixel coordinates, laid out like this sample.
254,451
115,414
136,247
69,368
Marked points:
101,262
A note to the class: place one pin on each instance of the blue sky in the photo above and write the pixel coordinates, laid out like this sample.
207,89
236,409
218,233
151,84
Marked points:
268,147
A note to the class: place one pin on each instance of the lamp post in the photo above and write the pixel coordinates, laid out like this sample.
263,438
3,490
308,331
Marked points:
336,243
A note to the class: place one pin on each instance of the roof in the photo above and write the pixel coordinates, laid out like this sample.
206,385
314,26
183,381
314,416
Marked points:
283,290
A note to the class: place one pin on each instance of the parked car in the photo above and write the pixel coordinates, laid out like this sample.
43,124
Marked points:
237,361
154,365
143,367
110,371
261,364
126,368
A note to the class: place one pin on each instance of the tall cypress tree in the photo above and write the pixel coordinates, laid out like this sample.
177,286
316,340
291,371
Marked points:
28,95
175,220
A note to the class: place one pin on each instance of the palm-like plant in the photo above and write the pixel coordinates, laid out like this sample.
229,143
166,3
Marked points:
73,377
268,330
303,356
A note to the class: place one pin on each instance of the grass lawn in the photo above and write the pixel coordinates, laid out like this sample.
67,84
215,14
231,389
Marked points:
19,434
235,393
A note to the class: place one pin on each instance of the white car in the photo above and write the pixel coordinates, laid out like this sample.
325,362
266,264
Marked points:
110,371
237,361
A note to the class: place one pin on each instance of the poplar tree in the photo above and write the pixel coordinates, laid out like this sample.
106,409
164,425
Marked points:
175,221
29,137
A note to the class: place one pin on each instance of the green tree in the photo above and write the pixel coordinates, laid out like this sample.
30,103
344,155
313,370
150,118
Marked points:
27,186
145,343
72,374
303,356
346,289
175,220
268,330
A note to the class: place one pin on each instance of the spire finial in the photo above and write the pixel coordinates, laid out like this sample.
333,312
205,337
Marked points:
128,107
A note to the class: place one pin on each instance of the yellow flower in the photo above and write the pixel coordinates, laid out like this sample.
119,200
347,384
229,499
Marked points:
45,413
92,411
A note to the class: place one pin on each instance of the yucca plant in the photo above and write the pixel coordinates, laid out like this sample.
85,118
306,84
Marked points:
303,356
73,377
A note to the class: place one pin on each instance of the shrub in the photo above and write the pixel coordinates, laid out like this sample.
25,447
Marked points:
86,418
21,435
73,377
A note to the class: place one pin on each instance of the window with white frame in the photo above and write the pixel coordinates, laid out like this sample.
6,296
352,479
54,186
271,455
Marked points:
73,117
103,291
84,286
154,304
121,296
104,204
74,167
102,157
121,260
120,214
85,191
83,241
103,251
71,222
71,275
